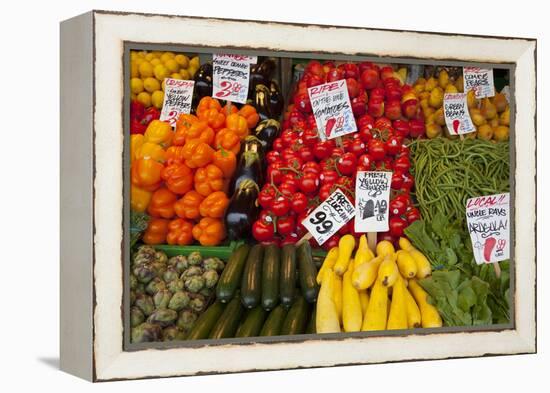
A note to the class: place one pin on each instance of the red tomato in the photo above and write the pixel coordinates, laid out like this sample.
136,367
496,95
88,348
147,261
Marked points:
376,149
289,137
266,196
278,144
396,180
298,202
305,154
273,156
346,164
309,183
312,167
393,145
397,207
322,150
280,206
412,214
288,188
366,160
310,137
285,225
357,147
408,181
397,226
274,173
328,177
262,231
402,164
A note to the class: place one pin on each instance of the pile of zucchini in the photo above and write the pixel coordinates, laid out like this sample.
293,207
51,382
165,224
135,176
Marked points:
263,291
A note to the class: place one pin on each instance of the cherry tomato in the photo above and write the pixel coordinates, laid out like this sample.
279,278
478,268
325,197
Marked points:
278,144
289,137
346,164
285,225
397,207
397,226
298,202
288,188
305,154
376,149
310,137
266,196
273,156
357,147
274,172
402,164
262,231
280,206
412,214
294,162
337,152
393,145
322,150
291,179
312,167
396,180
309,183
328,177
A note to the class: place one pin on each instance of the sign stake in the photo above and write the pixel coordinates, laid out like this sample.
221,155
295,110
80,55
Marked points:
371,240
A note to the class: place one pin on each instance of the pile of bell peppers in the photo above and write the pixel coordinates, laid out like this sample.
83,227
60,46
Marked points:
180,177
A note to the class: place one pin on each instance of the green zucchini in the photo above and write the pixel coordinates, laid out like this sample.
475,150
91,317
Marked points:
288,274
274,322
232,274
253,323
311,326
270,277
229,320
206,322
297,317
307,272
251,292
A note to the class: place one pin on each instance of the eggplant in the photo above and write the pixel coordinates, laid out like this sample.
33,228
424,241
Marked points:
276,100
253,143
262,104
242,210
266,131
203,83
249,167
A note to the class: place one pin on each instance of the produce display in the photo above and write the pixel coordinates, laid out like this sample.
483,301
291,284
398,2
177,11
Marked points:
245,177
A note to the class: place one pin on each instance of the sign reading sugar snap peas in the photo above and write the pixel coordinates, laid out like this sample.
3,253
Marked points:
457,116
480,80
329,216
488,219
231,76
372,196
178,95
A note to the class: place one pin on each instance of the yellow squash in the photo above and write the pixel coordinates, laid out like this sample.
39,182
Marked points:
326,317
337,296
377,310
414,319
406,264
430,316
364,275
329,262
345,248
423,266
352,316
388,272
384,248
398,309
363,253
364,299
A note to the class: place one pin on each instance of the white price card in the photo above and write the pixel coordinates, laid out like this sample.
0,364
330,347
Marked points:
372,197
457,116
332,109
329,216
231,76
480,80
488,219
178,95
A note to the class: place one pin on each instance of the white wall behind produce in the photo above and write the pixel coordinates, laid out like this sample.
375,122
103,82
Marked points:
29,86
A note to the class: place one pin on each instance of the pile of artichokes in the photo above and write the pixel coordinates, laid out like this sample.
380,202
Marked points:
168,295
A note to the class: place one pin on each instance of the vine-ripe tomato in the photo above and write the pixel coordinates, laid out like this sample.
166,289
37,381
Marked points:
322,150
266,196
376,149
325,191
397,180
328,177
288,188
402,164
312,167
278,145
397,207
310,137
262,231
273,156
285,225
298,202
337,152
366,160
274,173
280,206
346,164
357,147
397,226
408,181
289,137
305,153
412,214
393,145
309,183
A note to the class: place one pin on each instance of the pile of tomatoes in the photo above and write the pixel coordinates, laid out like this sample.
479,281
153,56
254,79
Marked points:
304,170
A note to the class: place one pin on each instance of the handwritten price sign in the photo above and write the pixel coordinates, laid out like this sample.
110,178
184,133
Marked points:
480,80
488,219
231,75
372,196
332,109
329,216
178,95
457,116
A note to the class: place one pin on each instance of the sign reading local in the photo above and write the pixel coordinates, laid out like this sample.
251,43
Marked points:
231,76
332,109
178,95
372,195
488,219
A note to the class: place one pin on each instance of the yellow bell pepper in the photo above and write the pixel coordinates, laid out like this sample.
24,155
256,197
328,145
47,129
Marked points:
139,199
151,150
159,132
136,141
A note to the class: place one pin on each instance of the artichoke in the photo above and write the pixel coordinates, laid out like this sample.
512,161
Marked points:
144,273
194,284
161,257
172,333
136,317
179,301
186,320
192,271
145,303
140,288
176,285
194,258
155,285
132,298
179,262
144,255
159,268
198,303
163,317
210,278
170,274
146,332
213,264
162,298
206,292
133,282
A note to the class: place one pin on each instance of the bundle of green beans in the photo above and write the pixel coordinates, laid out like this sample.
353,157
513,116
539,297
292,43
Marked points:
448,172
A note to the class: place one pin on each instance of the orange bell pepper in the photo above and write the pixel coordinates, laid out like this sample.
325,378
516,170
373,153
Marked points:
136,141
209,231
180,232
188,206
250,114
197,130
139,198
237,124
151,150
214,205
226,160
208,180
228,140
186,120
178,177
162,203
174,153
229,108
156,231
207,103
159,132
146,173
214,118
197,153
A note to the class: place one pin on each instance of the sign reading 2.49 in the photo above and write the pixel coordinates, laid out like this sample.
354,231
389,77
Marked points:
329,216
